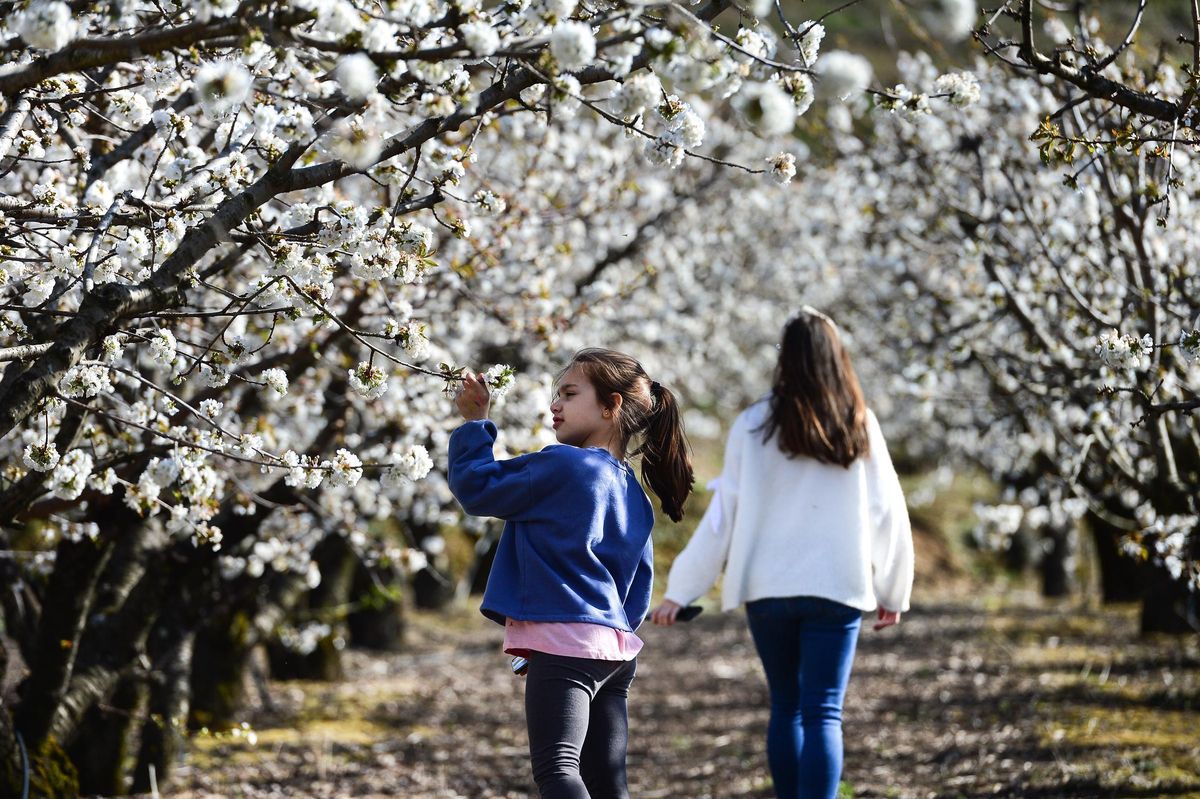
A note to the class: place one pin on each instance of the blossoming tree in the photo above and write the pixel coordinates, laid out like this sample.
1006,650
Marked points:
241,260
246,246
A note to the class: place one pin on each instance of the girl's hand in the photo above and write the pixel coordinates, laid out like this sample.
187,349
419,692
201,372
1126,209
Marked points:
473,398
665,613
887,618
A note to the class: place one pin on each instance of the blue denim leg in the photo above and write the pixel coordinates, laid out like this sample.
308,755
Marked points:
806,645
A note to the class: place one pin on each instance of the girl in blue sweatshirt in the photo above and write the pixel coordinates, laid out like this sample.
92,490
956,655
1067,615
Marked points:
573,571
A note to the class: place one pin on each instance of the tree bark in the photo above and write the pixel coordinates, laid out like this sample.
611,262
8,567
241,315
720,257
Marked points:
1167,604
337,561
1121,577
163,736
60,631
378,623
105,747
1055,565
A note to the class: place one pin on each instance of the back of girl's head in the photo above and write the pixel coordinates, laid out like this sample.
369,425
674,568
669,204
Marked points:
816,407
649,409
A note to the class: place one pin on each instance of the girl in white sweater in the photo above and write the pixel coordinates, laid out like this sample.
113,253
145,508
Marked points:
810,527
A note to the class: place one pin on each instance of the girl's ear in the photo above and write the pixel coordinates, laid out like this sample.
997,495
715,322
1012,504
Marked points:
616,400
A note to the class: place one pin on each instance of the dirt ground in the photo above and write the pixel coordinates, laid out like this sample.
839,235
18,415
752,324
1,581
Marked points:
968,697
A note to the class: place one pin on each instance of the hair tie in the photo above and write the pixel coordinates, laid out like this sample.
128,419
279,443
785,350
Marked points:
655,387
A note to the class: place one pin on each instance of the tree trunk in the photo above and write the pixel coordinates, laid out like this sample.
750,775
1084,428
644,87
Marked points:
163,741
1019,553
50,773
322,663
1167,604
432,590
1057,559
218,677
105,747
338,562
70,592
485,554
1121,577
378,623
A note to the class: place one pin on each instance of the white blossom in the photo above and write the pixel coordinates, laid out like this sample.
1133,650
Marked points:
46,25
783,167
901,99
1189,344
411,466
636,94
276,380
112,347
39,286
104,482
40,457
800,87
573,45
766,108
222,86
949,19
481,38
499,379
128,108
843,74
963,88
666,150
489,201
1126,351
357,75
370,382
810,41
345,469
354,141
70,476
85,380
163,347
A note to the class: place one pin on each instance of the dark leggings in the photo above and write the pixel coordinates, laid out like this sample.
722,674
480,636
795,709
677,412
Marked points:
575,709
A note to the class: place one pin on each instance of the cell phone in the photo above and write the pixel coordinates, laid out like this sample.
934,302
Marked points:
520,666
688,613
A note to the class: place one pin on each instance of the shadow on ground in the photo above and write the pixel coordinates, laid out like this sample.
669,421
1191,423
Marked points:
965,699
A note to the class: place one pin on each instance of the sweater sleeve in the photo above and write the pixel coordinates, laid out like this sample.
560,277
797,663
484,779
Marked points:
891,545
698,566
483,485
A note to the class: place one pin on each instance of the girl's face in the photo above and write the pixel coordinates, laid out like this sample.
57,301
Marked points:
579,418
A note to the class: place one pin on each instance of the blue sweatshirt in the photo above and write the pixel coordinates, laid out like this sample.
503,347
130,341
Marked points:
576,544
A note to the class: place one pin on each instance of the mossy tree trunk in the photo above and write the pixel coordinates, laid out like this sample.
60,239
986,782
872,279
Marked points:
1058,560
1121,577
326,603
104,750
218,676
377,622
163,734
432,589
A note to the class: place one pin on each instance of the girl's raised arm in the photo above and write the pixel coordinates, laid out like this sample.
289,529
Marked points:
483,485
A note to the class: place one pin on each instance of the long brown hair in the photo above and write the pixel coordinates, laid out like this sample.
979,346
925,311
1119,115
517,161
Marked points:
647,408
816,406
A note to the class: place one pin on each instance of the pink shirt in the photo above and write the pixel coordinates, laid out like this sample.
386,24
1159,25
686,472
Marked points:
571,639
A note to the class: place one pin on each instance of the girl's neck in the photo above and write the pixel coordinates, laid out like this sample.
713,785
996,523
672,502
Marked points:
606,440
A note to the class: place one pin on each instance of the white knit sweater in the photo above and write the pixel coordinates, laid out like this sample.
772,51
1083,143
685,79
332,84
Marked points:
797,527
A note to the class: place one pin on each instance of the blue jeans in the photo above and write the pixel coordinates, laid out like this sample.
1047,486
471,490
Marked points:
807,648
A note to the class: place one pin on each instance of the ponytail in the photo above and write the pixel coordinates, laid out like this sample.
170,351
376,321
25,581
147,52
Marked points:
666,462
